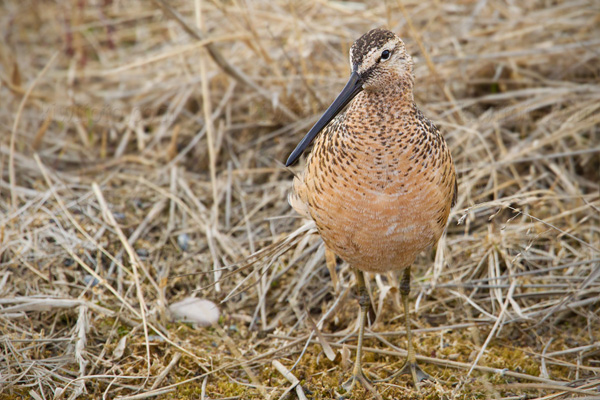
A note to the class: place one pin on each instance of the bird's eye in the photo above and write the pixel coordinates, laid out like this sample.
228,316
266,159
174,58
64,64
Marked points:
385,55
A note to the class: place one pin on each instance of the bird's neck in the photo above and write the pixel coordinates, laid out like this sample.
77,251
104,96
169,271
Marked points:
400,89
395,101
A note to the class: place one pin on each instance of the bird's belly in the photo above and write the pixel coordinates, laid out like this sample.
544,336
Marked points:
377,229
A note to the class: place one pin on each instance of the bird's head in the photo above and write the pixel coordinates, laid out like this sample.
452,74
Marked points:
379,60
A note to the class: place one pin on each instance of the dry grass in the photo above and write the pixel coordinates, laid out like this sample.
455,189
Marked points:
135,171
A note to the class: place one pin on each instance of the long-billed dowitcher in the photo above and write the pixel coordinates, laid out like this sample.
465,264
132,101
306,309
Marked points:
379,182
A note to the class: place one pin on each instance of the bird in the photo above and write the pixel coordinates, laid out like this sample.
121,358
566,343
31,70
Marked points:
379,182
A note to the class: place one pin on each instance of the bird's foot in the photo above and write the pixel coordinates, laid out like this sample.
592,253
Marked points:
412,369
359,377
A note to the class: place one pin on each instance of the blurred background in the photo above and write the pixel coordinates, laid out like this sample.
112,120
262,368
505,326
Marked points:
141,151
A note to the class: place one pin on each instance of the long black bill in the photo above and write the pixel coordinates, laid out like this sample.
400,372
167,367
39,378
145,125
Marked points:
352,88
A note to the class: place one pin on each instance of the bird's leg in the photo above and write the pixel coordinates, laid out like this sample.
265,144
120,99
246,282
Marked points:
331,263
357,372
410,366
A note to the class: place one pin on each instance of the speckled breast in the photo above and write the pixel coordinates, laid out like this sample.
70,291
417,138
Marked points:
379,194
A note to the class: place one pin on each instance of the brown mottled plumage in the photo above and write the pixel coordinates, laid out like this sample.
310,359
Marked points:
380,181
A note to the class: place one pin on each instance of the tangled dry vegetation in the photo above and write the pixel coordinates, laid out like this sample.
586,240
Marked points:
141,163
